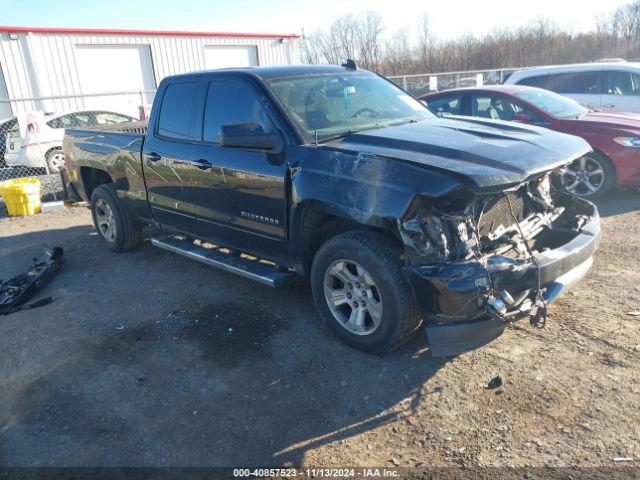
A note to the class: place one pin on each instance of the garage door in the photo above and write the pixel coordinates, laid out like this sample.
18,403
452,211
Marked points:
5,106
115,68
216,56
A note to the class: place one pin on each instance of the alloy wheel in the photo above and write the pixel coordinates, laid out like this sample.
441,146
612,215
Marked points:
105,220
583,177
353,297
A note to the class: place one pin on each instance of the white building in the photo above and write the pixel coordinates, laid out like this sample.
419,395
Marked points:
61,69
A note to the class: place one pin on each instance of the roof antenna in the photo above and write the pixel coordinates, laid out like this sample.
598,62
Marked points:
350,64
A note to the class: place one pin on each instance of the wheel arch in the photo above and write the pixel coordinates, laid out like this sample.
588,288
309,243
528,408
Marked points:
52,149
317,223
92,178
607,158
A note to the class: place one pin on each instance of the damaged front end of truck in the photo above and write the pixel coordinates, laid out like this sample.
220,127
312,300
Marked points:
477,262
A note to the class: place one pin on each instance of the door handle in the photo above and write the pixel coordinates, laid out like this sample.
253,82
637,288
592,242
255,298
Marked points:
204,164
153,157
609,105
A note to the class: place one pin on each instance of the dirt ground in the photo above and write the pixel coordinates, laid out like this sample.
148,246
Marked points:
150,359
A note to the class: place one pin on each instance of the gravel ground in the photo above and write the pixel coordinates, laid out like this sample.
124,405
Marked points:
147,358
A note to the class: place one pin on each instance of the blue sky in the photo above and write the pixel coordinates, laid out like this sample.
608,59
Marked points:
448,19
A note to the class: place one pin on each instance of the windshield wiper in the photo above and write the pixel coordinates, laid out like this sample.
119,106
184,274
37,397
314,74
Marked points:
336,136
370,127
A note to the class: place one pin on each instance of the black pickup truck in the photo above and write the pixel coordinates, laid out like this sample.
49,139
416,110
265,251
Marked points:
399,218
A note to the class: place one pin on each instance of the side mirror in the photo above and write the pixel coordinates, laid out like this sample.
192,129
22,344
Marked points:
249,135
522,118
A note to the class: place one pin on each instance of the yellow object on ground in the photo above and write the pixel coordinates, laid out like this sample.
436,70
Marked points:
22,195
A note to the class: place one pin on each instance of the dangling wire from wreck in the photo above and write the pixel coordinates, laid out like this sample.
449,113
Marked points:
538,313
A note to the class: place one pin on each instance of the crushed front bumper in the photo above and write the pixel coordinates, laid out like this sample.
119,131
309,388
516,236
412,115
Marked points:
448,294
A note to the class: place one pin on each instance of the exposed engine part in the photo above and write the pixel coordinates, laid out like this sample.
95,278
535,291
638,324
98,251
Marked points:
435,236
540,191
435,230
492,224
496,305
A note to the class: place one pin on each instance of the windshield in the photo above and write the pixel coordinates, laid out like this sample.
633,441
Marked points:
552,103
336,105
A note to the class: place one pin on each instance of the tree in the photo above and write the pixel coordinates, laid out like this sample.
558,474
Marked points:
540,42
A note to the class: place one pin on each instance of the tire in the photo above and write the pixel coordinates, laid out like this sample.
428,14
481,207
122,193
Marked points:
579,179
390,298
121,234
55,160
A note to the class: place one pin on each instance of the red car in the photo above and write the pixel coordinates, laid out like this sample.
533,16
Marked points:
615,138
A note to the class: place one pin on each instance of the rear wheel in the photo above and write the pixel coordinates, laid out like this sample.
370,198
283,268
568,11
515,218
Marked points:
112,223
55,160
590,176
360,291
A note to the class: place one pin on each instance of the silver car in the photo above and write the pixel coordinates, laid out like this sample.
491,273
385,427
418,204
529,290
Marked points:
605,85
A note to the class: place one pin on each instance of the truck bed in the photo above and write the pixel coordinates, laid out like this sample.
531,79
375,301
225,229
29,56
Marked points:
112,149
128,127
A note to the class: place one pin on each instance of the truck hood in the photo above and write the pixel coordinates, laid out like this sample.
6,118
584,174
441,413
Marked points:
488,153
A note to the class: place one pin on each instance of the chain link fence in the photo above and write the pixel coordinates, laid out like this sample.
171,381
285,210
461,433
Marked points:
422,84
32,130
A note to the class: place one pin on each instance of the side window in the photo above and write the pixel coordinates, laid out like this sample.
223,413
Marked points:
176,111
540,81
230,102
55,123
74,120
498,107
482,106
578,82
622,83
108,118
445,105
71,120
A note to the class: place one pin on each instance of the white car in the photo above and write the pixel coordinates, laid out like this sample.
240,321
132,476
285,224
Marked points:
605,85
41,146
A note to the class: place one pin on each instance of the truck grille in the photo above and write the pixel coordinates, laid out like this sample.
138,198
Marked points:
497,212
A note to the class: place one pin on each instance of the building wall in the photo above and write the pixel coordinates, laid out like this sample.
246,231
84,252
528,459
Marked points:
37,65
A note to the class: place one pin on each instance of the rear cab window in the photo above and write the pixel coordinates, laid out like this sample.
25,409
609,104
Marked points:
175,120
446,105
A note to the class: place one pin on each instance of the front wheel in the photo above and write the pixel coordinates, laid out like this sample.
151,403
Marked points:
590,176
360,291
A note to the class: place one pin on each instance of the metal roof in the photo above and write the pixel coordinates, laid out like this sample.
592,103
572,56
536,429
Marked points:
508,89
168,33
280,71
